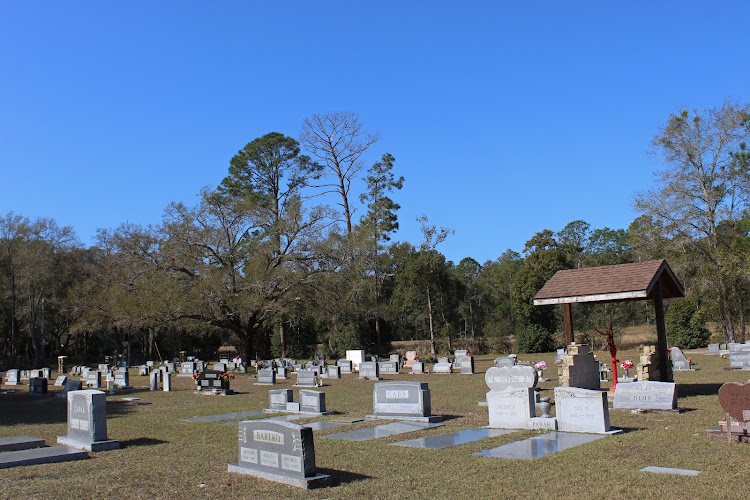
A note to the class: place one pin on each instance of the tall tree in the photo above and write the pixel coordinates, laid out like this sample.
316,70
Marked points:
380,221
704,183
338,140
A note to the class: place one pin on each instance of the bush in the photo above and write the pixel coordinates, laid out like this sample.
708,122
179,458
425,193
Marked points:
534,339
684,329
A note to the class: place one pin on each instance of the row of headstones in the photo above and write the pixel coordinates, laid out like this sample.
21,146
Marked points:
309,401
727,348
14,377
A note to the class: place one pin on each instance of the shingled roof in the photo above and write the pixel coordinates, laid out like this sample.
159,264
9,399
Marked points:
635,281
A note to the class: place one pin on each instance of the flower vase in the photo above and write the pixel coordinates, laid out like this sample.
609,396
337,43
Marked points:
540,374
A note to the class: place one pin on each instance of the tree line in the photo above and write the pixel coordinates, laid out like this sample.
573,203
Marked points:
263,263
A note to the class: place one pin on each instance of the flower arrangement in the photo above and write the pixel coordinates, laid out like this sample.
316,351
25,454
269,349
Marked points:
541,366
627,364
196,376
226,377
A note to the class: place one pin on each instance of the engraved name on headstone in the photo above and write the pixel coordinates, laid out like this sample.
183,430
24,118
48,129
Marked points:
646,395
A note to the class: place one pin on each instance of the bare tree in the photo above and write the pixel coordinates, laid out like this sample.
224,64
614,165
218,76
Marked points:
337,140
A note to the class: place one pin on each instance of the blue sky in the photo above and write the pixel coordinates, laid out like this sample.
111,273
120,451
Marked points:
505,118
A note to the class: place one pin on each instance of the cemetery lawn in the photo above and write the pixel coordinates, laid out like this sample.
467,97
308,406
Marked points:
164,457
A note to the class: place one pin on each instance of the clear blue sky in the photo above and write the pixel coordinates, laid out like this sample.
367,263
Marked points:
505,118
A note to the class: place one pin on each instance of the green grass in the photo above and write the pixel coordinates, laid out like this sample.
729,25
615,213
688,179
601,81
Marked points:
163,457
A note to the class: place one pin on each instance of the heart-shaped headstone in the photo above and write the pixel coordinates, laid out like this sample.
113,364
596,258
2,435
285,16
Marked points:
510,377
734,399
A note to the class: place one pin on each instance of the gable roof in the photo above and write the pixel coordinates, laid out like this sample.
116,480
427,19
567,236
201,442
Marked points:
635,281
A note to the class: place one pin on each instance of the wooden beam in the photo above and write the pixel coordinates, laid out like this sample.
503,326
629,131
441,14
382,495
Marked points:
601,297
665,374
568,320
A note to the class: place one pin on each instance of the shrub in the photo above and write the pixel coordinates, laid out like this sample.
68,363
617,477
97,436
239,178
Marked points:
534,339
684,329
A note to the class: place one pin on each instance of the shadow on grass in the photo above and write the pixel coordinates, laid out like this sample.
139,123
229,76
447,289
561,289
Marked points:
339,477
26,409
684,390
141,442
450,417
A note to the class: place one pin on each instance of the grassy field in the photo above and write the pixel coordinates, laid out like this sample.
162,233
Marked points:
163,457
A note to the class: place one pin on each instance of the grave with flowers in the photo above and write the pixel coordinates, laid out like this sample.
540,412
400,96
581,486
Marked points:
213,382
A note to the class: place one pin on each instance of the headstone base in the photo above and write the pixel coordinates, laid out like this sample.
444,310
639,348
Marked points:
413,418
214,392
52,454
311,413
16,443
548,423
316,481
109,444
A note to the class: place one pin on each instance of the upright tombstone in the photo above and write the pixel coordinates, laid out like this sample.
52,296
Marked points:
281,372
510,401
465,364
154,380
167,382
312,401
94,379
61,360
713,348
356,357
369,370
103,367
411,357
505,361
11,377
646,395
334,371
278,451
739,359
38,385
187,369
307,378
278,399
122,378
345,365
70,386
442,366
60,381
87,422
211,382
734,399
220,367
403,400
679,361
395,358
581,410
388,367
417,367
144,370
266,376
579,368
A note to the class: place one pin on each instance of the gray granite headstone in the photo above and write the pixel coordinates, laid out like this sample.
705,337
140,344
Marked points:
307,378
187,369
11,377
646,395
510,377
465,364
511,408
122,378
581,410
167,382
401,400
442,367
369,370
278,398
266,376
345,365
94,379
334,371
87,422
713,348
281,372
154,380
387,367
312,401
60,381
220,367
739,359
278,451
679,361
505,361
417,367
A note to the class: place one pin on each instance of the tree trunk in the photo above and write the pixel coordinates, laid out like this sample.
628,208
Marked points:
432,324
282,338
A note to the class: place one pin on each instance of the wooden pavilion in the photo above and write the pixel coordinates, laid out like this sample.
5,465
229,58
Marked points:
652,280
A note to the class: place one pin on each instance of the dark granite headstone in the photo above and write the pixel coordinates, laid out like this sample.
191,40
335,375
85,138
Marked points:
369,370
87,422
401,400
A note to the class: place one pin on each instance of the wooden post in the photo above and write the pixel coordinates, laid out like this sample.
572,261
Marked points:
661,333
568,320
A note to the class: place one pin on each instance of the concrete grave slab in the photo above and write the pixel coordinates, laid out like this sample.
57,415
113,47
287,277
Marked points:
452,438
15,443
384,430
669,470
52,454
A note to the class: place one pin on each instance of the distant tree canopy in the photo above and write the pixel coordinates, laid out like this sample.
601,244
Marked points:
261,264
